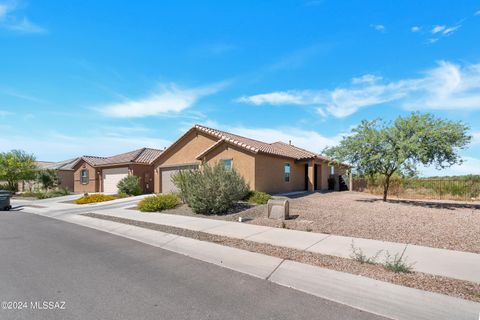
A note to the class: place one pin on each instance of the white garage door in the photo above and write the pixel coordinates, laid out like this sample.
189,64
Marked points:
167,173
111,177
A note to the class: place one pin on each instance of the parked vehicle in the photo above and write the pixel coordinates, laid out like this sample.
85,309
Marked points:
5,200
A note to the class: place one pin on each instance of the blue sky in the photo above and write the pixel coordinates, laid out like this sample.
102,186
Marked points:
104,77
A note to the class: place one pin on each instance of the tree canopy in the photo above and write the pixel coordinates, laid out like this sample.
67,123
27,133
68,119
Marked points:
378,147
16,166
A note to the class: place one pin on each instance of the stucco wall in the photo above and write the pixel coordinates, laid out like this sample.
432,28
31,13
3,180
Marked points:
145,173
93,183
66,179
244,163
185,152
269,174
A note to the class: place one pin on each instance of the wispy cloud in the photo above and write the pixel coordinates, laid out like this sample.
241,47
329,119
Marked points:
5,113
437,29
476,137
416,29
366,78
477,13
379,27
440,31
168,99
448,86
12,19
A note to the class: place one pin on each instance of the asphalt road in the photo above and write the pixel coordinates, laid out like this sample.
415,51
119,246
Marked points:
101,276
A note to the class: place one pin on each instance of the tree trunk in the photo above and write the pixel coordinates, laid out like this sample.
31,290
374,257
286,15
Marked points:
386,185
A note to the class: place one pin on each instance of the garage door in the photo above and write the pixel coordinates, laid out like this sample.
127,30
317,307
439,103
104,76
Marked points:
167,173
111,177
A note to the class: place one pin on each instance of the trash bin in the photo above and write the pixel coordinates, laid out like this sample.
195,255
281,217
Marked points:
5,200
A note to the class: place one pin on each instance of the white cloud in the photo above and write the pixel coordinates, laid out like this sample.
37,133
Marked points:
469,166
366,78
476,137
416,29
451,30
379,27
307,139
57,147
477,13
169,99
437,29
448,86
10,19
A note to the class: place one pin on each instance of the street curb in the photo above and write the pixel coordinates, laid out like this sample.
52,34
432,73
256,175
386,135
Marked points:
373,296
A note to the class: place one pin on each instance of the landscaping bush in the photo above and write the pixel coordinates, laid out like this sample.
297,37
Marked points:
94,198
159,202
257,197
212,190
7,188
130,185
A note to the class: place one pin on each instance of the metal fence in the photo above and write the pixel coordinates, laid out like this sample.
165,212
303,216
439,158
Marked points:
439,189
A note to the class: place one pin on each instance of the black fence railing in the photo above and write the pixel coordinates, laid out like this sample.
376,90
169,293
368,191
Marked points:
436,188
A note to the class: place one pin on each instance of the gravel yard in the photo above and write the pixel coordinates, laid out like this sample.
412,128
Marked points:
441,224
453,287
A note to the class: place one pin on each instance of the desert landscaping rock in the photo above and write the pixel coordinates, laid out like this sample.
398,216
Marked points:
453,287
440,224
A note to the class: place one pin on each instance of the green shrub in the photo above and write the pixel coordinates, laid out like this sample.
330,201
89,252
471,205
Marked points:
159,202
257,197
130,185
7,188
211,190
94,198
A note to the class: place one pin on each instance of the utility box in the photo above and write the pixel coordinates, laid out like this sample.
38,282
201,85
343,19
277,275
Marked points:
278,209
5,200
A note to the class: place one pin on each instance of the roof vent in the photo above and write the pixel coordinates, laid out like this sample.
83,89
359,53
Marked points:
290,142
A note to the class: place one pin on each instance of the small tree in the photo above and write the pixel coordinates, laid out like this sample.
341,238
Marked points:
211,190
48,179
376,147
16,166
130,185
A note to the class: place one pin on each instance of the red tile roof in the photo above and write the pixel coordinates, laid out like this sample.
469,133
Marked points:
277,148
140,156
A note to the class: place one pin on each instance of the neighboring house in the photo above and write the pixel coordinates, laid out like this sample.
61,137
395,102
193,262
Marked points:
102,174
270,167
64,170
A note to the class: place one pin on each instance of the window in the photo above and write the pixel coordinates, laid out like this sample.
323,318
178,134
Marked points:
84,176
227,164
286,172
332,170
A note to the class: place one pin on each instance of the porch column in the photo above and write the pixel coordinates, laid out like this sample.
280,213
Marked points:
350,180
311,177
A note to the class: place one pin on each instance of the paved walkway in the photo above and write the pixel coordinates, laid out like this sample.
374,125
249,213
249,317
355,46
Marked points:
448,263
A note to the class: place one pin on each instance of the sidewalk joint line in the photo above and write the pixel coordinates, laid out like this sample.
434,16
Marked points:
257,233
273,271
306,249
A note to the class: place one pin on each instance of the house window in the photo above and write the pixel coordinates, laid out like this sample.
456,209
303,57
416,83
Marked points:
286,172
227,164
332,170
84,176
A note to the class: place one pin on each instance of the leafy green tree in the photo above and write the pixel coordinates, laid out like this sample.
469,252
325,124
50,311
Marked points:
385,148
48,179
16,166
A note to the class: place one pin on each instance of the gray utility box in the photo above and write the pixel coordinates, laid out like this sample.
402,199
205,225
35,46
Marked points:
278,209
5,200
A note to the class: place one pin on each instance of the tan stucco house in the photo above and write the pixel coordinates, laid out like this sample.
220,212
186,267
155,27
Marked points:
269,167
102,174
64,170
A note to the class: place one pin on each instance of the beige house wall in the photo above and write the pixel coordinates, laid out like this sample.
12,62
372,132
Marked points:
243,162
269,174
66,178
184,152
93,184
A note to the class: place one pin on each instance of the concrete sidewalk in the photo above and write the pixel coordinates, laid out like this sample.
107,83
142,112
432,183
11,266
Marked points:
448,263
381,298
